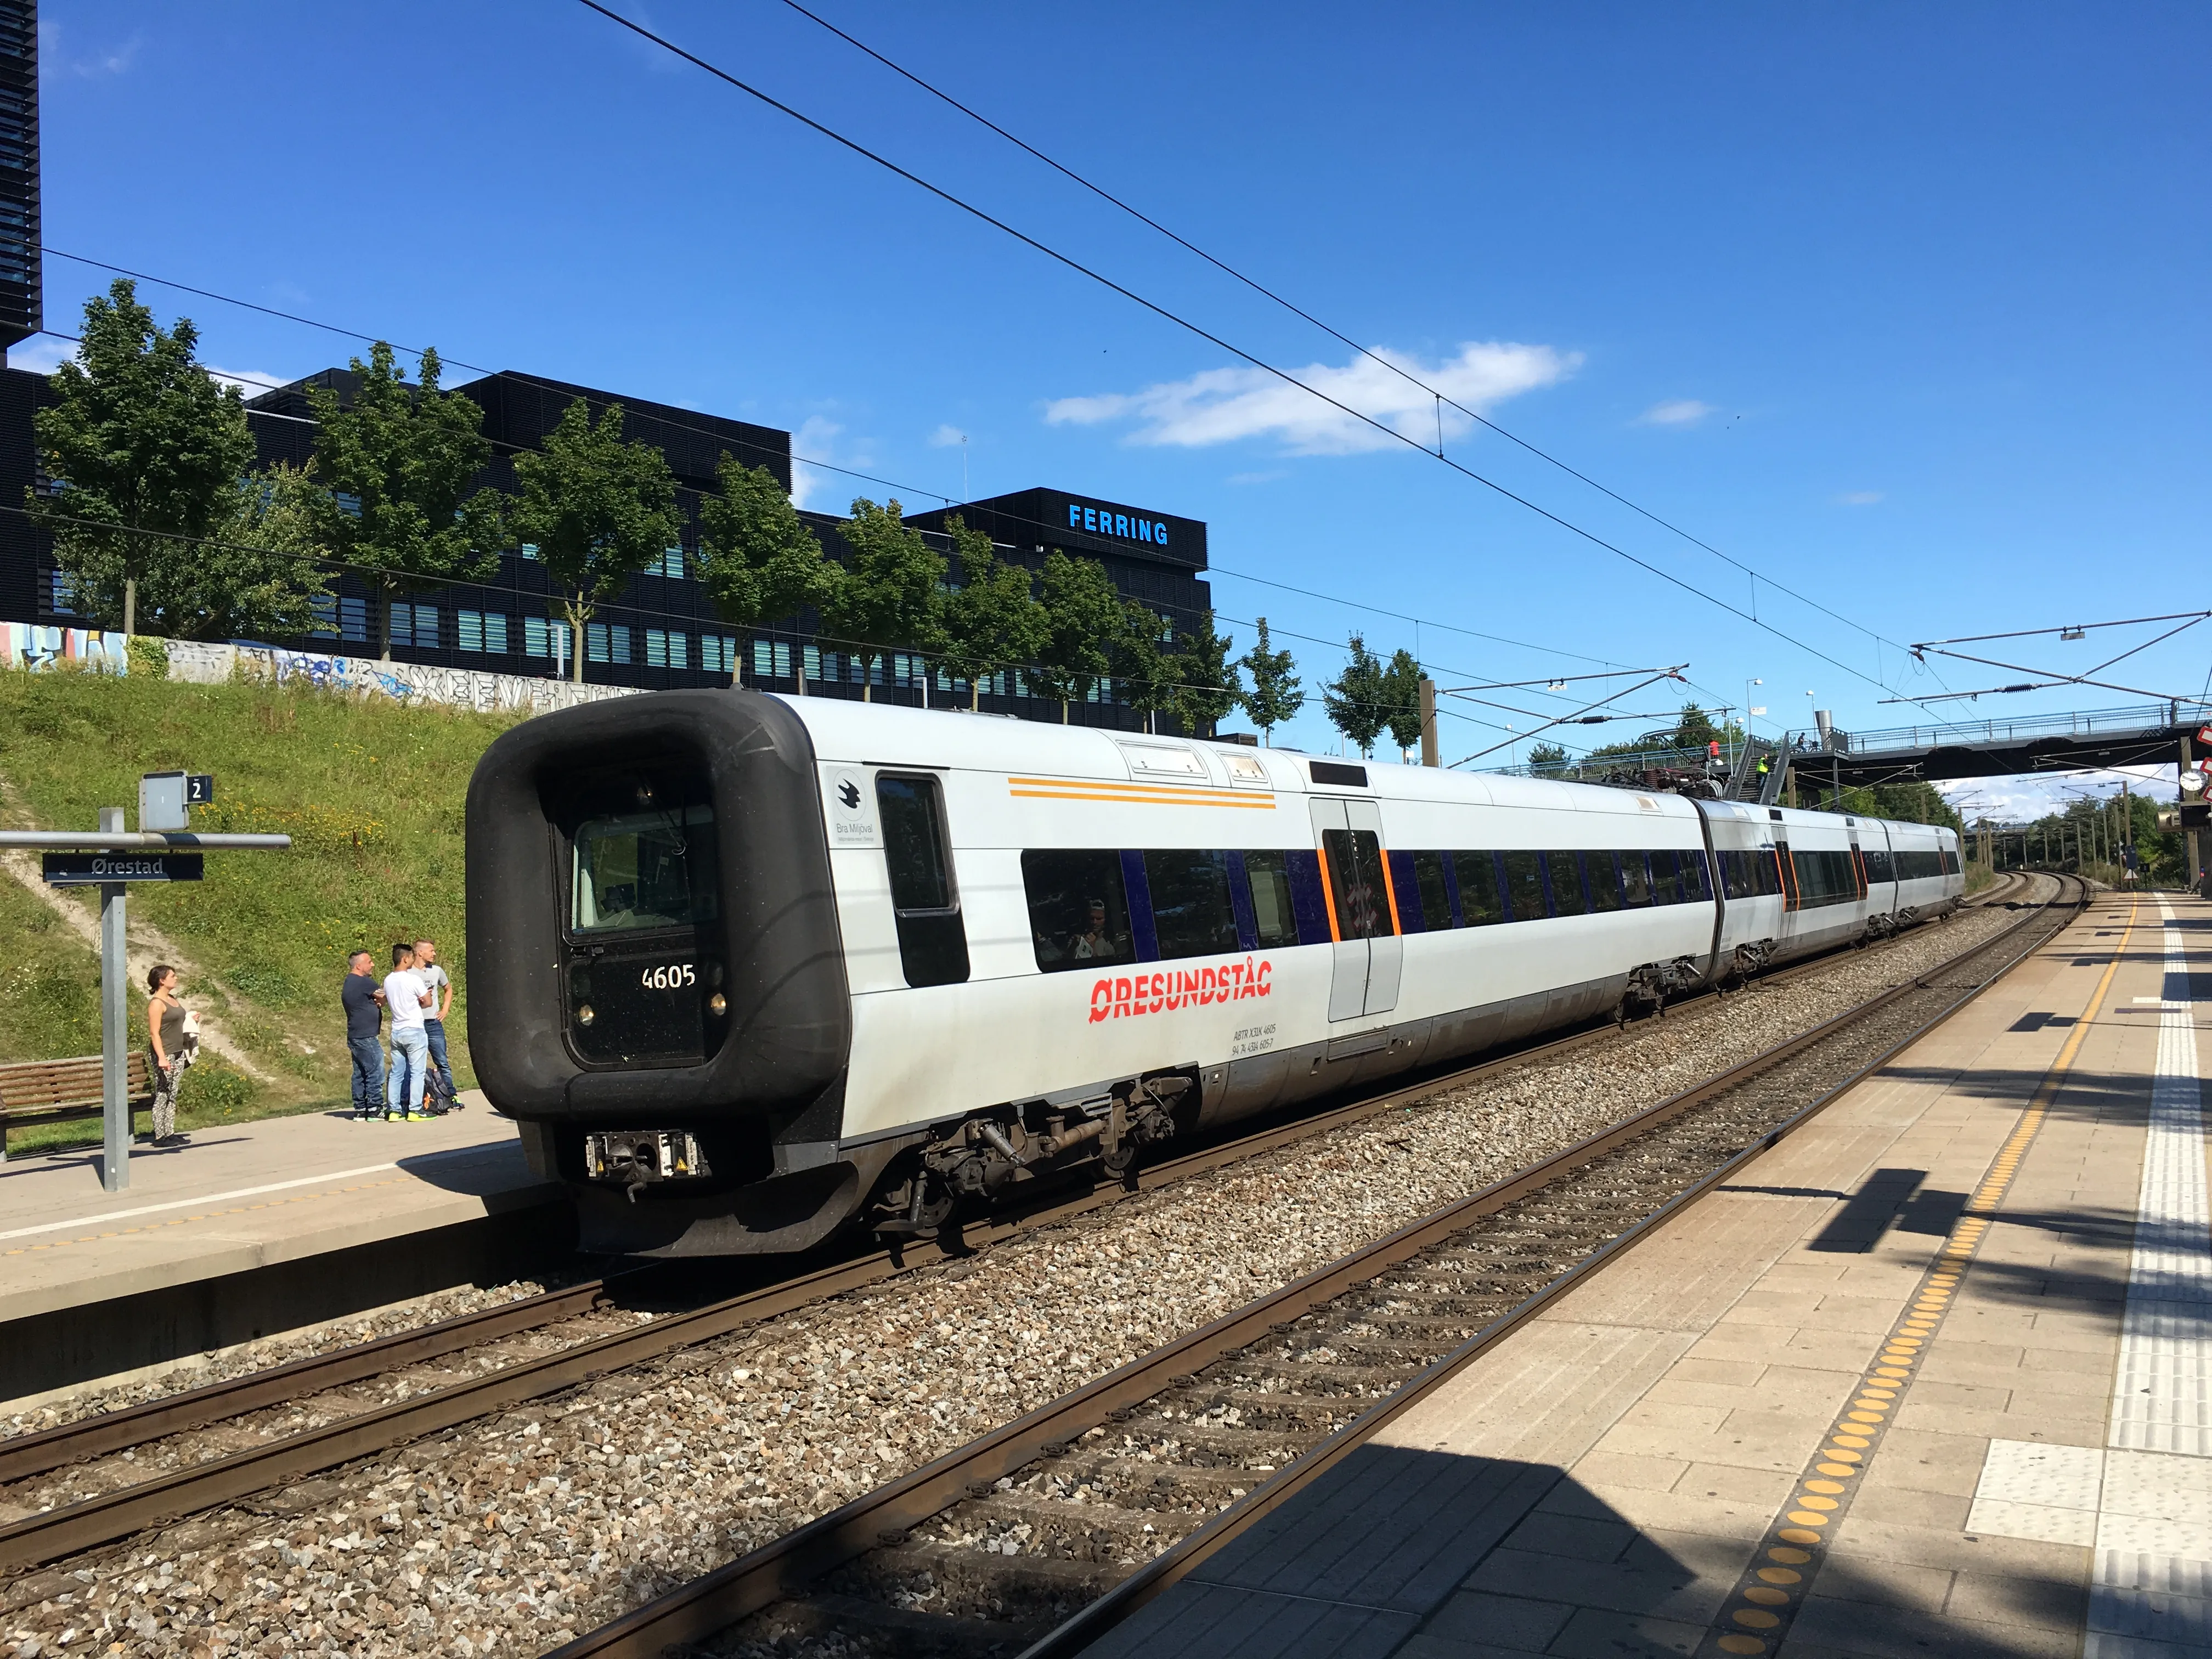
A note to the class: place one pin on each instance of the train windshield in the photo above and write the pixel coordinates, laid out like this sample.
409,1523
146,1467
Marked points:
645,870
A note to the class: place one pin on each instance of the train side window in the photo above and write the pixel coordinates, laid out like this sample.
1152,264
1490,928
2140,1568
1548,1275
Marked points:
1666,877
1478,903
1877,864
1079,909
1635,880
1273,916
933,938
1524,885
1354,857
1435,896
1950,862
1565,872
1603,869
1192,913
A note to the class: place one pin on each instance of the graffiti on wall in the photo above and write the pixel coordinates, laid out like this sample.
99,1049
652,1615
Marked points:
26,645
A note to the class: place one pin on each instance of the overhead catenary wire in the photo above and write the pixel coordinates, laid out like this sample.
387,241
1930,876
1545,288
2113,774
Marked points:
1401,370
1259,363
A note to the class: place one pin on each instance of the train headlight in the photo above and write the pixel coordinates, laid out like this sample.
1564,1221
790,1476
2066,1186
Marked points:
584,1015
718,1005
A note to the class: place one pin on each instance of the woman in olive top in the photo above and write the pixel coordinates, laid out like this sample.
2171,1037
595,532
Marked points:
165,1036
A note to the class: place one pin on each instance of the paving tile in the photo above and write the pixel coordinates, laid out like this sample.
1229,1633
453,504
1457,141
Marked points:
1671,1591
2074,1429
1928,1462
1581,1538
1515,1623
2053,1603
1903,1506
1738,1484
1879,1632
1946,1546
1422,1645
1595,1634
1628,1469
1721,1517
1649,1413
1846,1577
1716,1373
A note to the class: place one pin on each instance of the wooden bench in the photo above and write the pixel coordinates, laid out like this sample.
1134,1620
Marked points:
55,1090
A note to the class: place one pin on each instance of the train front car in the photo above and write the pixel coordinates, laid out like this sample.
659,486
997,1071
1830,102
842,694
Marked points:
657,990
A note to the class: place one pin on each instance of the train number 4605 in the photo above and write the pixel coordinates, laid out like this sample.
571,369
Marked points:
674,977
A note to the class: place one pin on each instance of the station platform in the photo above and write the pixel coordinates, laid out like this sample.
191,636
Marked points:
1929,1379
252,1229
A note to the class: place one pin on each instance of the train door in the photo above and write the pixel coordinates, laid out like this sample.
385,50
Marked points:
1367,955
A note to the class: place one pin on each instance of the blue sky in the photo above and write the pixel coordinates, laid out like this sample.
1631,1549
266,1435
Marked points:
1891,303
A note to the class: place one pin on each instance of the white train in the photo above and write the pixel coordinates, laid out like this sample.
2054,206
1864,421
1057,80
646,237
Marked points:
748,968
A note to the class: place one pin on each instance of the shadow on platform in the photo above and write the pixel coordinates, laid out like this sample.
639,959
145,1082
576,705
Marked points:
1436,1555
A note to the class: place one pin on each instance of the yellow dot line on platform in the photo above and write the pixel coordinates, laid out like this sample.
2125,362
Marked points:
204,1215
1756,1617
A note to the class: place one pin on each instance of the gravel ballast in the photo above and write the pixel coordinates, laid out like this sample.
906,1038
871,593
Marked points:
514,1534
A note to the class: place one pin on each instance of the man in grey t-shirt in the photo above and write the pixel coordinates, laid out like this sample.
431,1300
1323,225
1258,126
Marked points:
440,987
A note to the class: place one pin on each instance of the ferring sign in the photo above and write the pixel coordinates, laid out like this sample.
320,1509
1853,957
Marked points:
99,869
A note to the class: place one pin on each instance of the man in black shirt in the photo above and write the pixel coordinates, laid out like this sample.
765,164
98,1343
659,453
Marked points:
363,999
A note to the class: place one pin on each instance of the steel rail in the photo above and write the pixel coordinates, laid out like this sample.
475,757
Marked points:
106,1517
785,1567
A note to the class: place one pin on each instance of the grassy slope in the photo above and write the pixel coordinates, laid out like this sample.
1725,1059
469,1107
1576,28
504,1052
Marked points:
370,792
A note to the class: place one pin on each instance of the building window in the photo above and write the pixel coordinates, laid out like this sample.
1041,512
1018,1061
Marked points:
528,549
64,596
665,650
481,630
718,654
811,657
416,626
349,505
326,617
605,643
542,638
669,564
771,659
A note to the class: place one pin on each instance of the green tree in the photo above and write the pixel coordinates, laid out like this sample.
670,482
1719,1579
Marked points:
1545,757
258,575
757,559
891,596
138,438
1082,615
1275,695
1206,685
1357,700
1142,656
1401,699
598,510
991,622
400,461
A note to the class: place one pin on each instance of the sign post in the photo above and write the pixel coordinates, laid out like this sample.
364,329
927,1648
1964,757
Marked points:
114,1026
108,859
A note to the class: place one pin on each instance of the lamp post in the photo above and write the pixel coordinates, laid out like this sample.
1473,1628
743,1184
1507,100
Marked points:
1747,713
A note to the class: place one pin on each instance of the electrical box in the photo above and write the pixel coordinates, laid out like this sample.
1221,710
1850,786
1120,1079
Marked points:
165,798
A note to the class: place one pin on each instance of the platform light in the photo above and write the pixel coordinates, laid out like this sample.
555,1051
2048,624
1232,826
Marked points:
2072,633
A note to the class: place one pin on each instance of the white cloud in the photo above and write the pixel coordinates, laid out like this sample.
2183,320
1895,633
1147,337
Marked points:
111,60
2024,800
1222,405
819,438
42,355
945,437
1675,411
251,382
1858,498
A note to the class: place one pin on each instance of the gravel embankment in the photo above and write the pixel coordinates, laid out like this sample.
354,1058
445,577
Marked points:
514,1534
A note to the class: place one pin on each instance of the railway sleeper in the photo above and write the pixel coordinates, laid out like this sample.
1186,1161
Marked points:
1030,1524
1357,1382
1133,1482
1244,1408
931,1577
886,1630
1204,1444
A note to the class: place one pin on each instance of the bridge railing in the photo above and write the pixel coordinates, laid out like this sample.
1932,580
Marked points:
2082,723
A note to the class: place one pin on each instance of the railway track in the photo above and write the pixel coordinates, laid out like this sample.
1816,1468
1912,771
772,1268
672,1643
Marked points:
1039,1537
92,1482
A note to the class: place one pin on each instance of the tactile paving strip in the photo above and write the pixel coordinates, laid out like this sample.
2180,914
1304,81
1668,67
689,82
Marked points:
1758,1613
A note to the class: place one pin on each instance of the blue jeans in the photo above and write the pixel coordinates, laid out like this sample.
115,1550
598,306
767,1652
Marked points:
368,1075
435,1030
411,1053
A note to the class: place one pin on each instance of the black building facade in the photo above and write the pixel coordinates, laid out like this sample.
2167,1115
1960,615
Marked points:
661,632
21,312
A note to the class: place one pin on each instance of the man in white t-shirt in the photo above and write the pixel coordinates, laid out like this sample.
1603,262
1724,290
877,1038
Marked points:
409,1000
440,985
